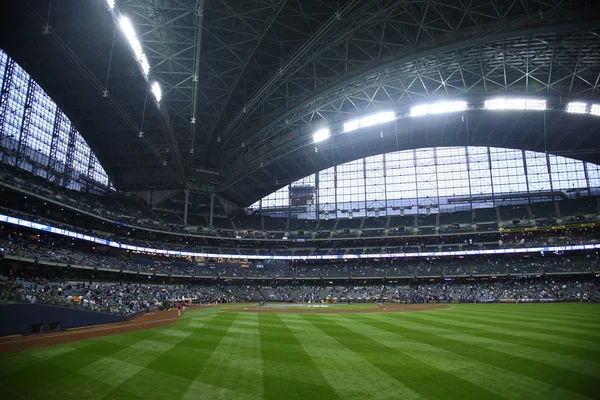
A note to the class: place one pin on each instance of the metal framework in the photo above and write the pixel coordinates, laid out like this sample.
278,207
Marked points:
67,174
53,162
4,93
434,180
245,82
25,123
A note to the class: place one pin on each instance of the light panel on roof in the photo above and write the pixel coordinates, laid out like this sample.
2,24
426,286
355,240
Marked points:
320,135
110,4
370,120
577,107
438,108
129,32
515,104
595,109
156,91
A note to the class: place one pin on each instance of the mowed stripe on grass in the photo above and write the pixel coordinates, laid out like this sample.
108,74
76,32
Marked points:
543,351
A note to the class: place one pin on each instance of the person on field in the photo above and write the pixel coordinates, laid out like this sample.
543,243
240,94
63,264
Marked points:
179,309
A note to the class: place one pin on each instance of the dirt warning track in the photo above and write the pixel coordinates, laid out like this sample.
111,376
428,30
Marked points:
146,321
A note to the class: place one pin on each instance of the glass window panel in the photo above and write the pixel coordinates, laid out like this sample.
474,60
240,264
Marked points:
594,177
326,191
537,171
567,173
3,60
351,186
401,180
278,199
374,185
424,177
38,143
15,106
303,194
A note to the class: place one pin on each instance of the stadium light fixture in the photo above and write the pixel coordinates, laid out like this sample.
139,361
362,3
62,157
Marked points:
129,32
352,125
577,107
370,120
156,91
595,109
515,104
438,108
110,4
320,135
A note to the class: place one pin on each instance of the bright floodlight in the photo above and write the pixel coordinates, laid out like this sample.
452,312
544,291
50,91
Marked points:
417,111
536,105
110,4
595,109
438,108
156,91
387,116
495,104
515,104
576,107
369,120
320,135
352,125
129,32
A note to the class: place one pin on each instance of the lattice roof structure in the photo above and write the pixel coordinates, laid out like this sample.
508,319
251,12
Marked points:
245,83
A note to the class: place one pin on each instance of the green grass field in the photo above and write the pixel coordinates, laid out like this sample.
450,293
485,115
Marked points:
545,351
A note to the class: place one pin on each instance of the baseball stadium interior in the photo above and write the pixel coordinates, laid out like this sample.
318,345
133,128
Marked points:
163,154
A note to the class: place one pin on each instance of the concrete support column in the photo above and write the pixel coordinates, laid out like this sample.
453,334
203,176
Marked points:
212,208
185,206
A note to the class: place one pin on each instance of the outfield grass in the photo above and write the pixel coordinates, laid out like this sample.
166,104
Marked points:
524,351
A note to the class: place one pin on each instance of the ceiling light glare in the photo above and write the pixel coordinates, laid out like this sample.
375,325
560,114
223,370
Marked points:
576,107
370,120
387,116
110,4
536,105
438,108
156,91
595,109
418,111
352,125
320,135
515,104
129,32
495,104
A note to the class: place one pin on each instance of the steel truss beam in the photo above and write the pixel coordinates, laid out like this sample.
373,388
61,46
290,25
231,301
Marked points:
4,94
53,162
25,123
438,41
466,70
98,85
67,174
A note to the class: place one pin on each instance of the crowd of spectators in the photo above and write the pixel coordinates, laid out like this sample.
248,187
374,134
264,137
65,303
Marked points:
128,213
66,253
117,298
442,291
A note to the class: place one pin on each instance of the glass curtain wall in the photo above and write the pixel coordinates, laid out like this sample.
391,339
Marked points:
442,179
47,137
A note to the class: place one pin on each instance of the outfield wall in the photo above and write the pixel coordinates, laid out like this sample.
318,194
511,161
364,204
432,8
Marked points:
22,318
